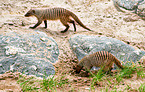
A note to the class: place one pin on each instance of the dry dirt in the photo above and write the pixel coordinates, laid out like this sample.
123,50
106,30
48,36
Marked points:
99,15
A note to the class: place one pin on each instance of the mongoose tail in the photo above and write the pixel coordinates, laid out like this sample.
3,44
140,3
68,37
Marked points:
117,62
78,21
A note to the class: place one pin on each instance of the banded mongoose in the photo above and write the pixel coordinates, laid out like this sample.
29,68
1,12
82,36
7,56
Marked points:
102,59
62,14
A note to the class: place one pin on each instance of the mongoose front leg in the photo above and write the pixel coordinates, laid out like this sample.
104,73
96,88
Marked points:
38,23
45,22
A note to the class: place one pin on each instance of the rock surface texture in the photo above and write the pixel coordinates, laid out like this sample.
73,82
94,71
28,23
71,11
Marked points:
31,54
83,45
137,6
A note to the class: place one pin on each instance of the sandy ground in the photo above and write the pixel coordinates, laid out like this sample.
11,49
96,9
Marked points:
99,15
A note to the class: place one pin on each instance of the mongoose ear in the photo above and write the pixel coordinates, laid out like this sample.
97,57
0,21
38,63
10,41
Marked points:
33,11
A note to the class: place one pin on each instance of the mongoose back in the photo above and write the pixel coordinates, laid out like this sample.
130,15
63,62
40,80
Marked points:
101,59
62,14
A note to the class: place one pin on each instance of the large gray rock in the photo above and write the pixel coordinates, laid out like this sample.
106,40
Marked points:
141,9
31,53
83,45
137,6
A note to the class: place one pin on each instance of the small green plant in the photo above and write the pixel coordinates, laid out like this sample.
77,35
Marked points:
107,89
27,84
128,87
51,83
125,73
47,84
97,77
142,88
128,72
114,89
140,72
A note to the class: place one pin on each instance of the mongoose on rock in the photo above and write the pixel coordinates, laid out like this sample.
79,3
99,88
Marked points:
64,15
102,59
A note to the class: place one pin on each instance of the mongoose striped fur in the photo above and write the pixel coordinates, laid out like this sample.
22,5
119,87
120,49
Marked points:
102,59
62,14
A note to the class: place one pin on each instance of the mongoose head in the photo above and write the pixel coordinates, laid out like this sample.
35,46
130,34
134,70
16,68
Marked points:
77,68
31,12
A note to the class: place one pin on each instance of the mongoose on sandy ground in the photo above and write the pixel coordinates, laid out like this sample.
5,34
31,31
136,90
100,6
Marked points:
102,59
65,16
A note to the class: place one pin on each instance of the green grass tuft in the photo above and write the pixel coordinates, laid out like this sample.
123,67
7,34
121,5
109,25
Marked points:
142,88
47,84
100,79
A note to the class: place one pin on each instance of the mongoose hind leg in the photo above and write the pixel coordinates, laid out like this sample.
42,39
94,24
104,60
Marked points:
45,22
67,27
108,68
73,25
109,71
63,20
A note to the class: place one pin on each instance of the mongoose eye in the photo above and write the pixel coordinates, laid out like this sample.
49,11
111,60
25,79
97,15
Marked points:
28,14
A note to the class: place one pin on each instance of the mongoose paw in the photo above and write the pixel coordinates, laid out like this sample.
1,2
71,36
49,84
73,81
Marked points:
63,31
31,27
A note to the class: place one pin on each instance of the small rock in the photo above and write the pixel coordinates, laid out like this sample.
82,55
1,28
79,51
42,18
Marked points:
87,88
23,24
